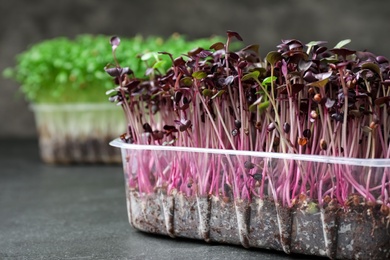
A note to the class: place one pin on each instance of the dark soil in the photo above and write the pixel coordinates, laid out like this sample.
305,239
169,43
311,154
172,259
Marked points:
349,232
78,150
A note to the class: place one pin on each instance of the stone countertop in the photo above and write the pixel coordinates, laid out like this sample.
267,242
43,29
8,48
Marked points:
79,212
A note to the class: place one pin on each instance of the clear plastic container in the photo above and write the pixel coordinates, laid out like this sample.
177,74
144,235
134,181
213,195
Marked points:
314,205
78,133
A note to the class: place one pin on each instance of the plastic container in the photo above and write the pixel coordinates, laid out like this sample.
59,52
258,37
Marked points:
313,205
78,133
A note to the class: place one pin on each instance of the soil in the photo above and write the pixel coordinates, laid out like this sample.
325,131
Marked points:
71,150
356,231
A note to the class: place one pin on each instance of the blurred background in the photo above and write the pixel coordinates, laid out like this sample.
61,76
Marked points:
266,22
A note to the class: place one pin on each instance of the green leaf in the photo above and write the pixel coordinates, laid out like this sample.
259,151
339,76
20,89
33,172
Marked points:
329,60
366,129
149,55
273,57
62,77
217,46
71,63
342,43
259,99
207,93
269,80
159,64
319,84
372,66
199,74
186,81
312,208
314,43
219,93
251,75
252,108
263,106
259,104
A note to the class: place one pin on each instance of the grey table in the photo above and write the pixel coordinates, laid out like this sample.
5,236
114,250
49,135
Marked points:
79,212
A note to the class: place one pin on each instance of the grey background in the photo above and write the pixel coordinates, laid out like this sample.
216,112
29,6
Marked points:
265,22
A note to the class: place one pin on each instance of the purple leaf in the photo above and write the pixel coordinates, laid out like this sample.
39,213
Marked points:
322,76
203,54
195,52
178,96
147,128
309,77
185,124
113,72
382,59
217,46
229,80
304,65
329,103
234,34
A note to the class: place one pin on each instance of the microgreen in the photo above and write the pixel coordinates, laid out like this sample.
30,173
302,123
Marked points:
65,70
300,99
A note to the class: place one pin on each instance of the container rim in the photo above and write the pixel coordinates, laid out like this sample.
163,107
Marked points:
302,157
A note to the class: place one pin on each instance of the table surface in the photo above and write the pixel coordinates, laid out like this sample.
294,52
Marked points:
79,212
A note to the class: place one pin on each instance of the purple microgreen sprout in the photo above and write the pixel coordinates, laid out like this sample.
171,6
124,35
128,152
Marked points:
313,101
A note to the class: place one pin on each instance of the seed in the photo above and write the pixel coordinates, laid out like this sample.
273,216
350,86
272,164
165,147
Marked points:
225,199
234,132
311,91
302,141
355,200
257,176
317,98
286,127
307,133
385,210
313,114
237,123
327,199
249,165
302,197
323,144
373,125
271,127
